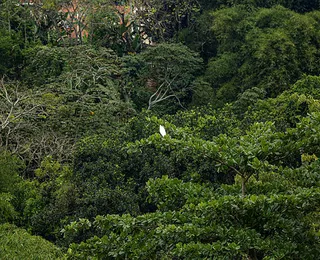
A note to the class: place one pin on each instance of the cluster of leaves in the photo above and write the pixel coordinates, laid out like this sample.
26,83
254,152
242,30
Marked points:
298,6
16,243
256,227
261,48
161,76
269,210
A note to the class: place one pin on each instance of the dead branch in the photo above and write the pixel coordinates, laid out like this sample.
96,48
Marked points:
163,93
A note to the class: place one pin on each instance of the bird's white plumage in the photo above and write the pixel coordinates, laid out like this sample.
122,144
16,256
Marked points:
162,130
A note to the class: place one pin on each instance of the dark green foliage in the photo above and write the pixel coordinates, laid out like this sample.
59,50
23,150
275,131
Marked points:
173,194
105,30
9,172
171,62
200,37
248,99
89,92
43,65
48,199
236,176
266,48
16,19
70,92
10,53
275,216
164,20
256,226
116,170
7,211
163,76
285,110
107,190
308,85
202,93
299,6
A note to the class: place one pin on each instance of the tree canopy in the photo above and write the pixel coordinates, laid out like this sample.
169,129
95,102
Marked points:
84,88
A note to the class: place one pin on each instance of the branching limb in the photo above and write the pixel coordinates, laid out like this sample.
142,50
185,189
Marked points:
162,94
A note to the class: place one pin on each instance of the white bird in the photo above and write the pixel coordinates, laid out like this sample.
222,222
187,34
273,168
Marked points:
162,130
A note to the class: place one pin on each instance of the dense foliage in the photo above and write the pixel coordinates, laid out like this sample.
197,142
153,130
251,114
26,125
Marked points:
84,88
16,243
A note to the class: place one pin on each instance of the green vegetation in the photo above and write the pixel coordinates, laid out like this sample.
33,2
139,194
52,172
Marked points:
16,243
84,88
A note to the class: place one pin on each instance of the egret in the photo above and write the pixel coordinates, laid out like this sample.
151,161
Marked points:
162,130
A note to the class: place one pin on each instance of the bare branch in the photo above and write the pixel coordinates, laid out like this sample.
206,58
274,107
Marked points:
161,94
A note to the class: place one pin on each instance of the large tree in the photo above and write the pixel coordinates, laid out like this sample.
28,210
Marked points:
266,48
